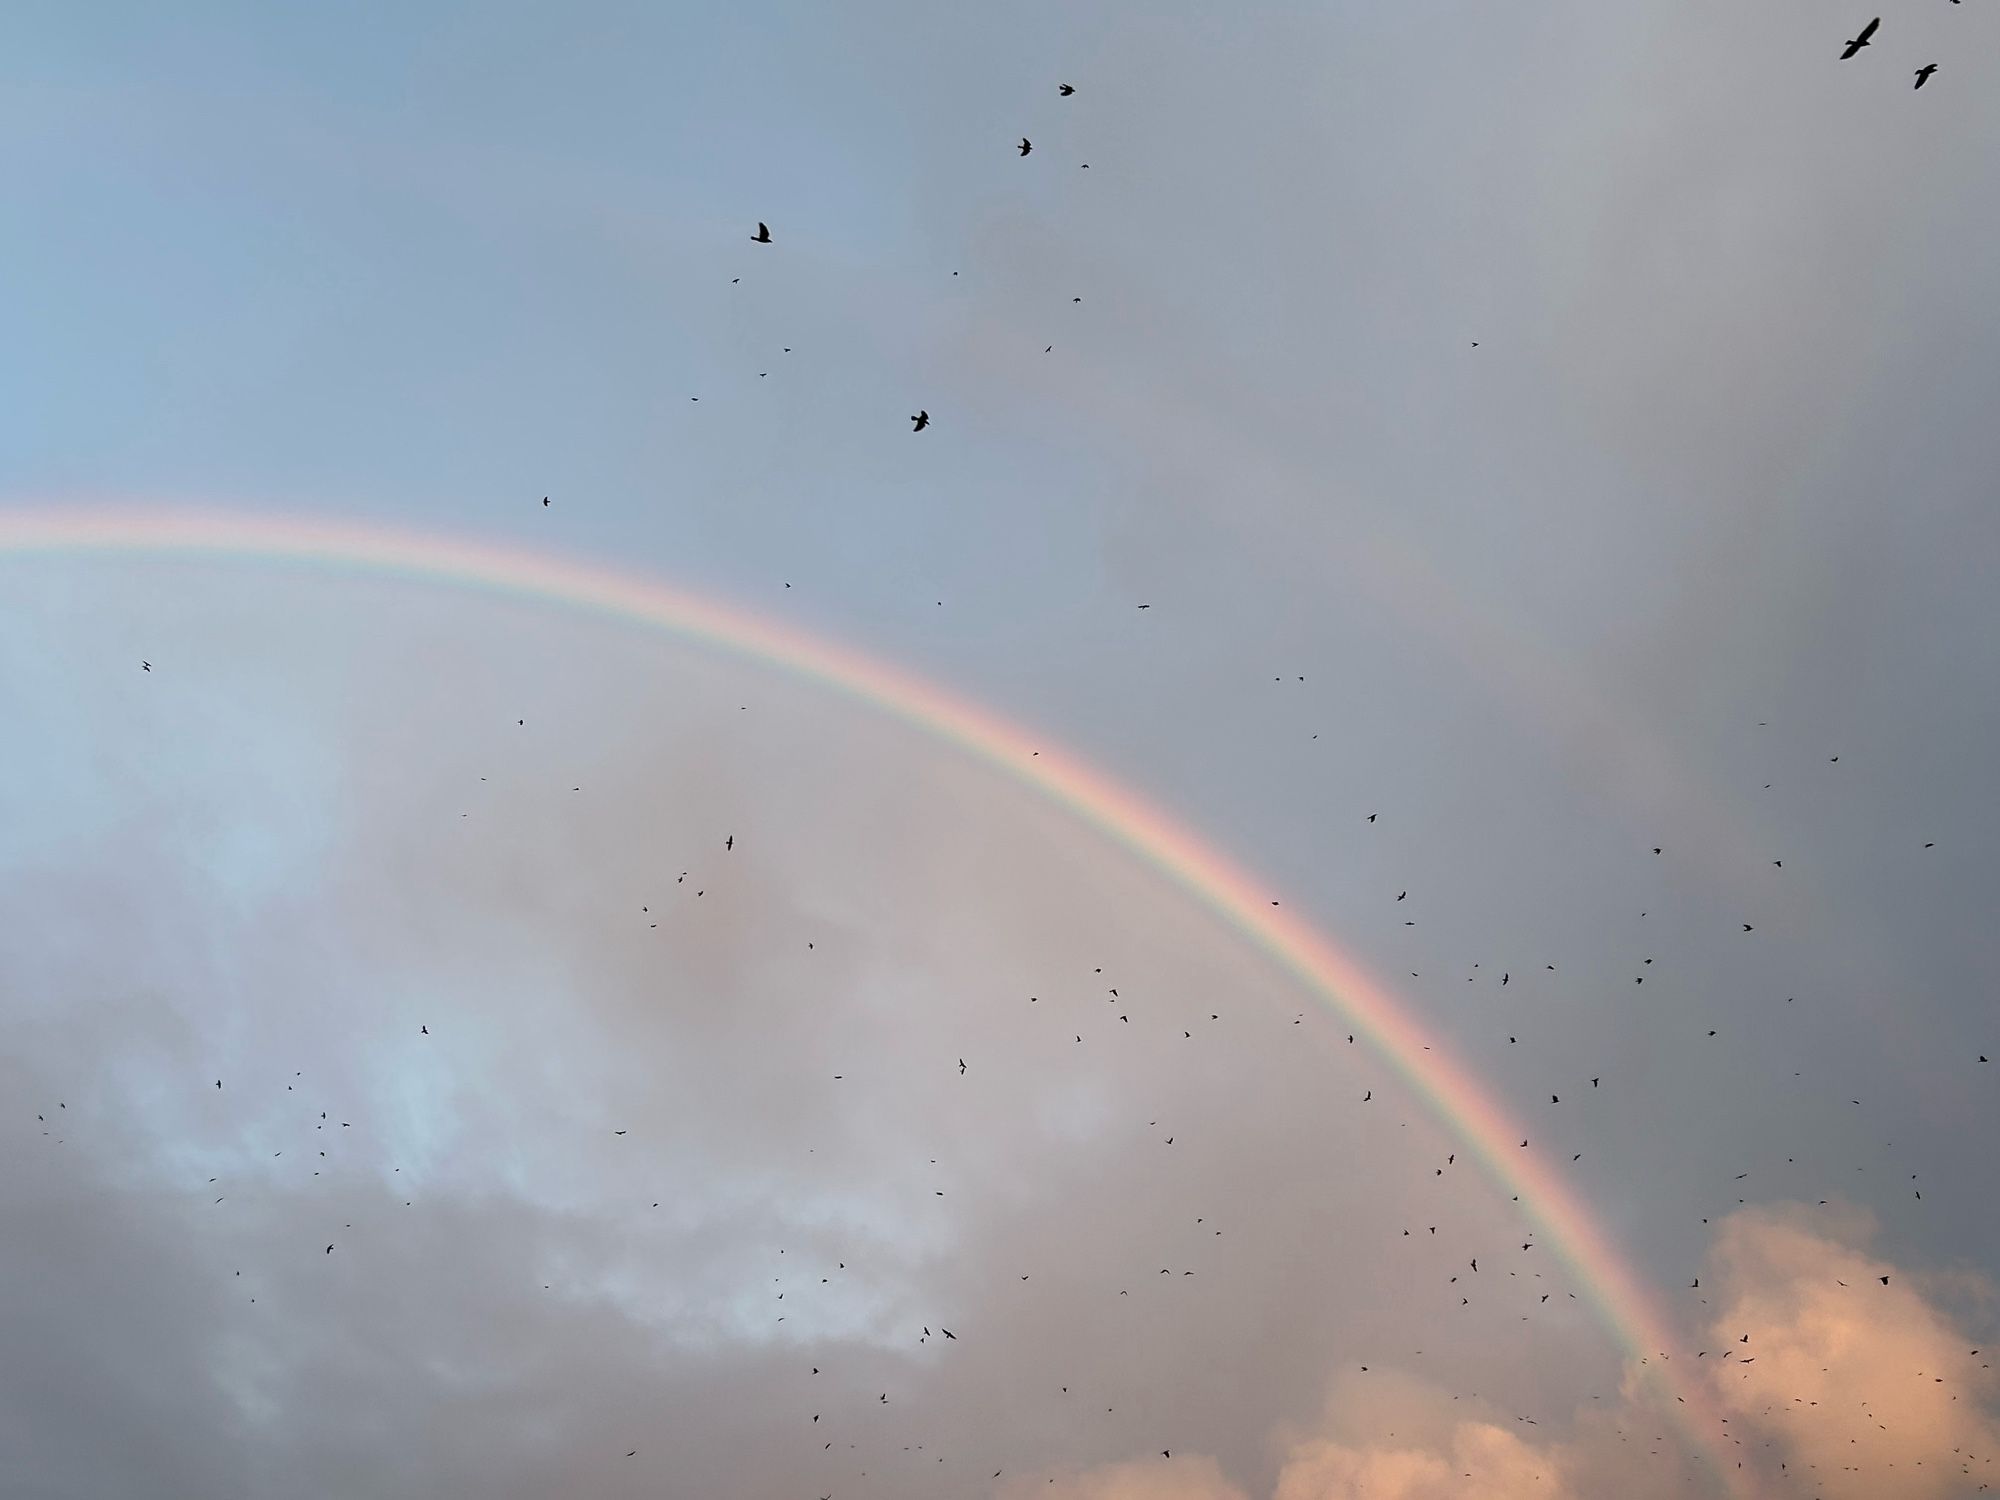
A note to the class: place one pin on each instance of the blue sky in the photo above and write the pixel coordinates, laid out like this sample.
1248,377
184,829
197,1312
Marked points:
1561,433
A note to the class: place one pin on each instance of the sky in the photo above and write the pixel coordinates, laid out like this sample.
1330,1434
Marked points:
1512,484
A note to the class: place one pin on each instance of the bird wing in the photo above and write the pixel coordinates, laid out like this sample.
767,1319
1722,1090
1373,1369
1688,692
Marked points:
1869,30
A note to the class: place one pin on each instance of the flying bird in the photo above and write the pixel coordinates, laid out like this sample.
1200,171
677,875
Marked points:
1026,145
145,666
545,502
1924,74
921,420
1861,41
730,842
763,234
424,1029
1065,90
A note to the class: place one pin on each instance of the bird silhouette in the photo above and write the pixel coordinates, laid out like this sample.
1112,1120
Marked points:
763,234
1065,90
1026,145
145,666
921,420
1924,74
1861,41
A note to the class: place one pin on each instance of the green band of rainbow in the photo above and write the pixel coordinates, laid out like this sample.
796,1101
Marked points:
1367,1007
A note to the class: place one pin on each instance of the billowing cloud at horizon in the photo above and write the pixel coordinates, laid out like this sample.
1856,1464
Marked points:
1363,874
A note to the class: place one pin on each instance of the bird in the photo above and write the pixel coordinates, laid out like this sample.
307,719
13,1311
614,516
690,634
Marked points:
729,843
545,502
763,234
145,666
961,1065
425,1030
949,1334
1065,90
921,420
1861,41
1026,145
1924,74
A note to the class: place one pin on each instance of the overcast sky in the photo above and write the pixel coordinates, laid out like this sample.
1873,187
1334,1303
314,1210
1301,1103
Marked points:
1562,431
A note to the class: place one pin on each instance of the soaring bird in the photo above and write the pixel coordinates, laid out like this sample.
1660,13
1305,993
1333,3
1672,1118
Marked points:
1026,145
1924,74
922,420
763,234
1065,90
146,666
545,502
730,842
1862,40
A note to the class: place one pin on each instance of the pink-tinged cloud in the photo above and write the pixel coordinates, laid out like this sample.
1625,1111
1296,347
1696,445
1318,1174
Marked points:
1870,1389
1857,1388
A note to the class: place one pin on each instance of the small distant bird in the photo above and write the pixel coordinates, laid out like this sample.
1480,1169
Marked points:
730,842
763,234
961,1065
617,1132
1026,145
425,1030
545,501
1065,90
1924,74
1861,41
145,666
329,1251
921,420
949,1334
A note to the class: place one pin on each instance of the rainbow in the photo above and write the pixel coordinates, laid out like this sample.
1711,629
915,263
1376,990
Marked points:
1366,1006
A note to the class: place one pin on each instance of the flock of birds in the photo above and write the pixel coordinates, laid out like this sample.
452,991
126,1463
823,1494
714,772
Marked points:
1469,1267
